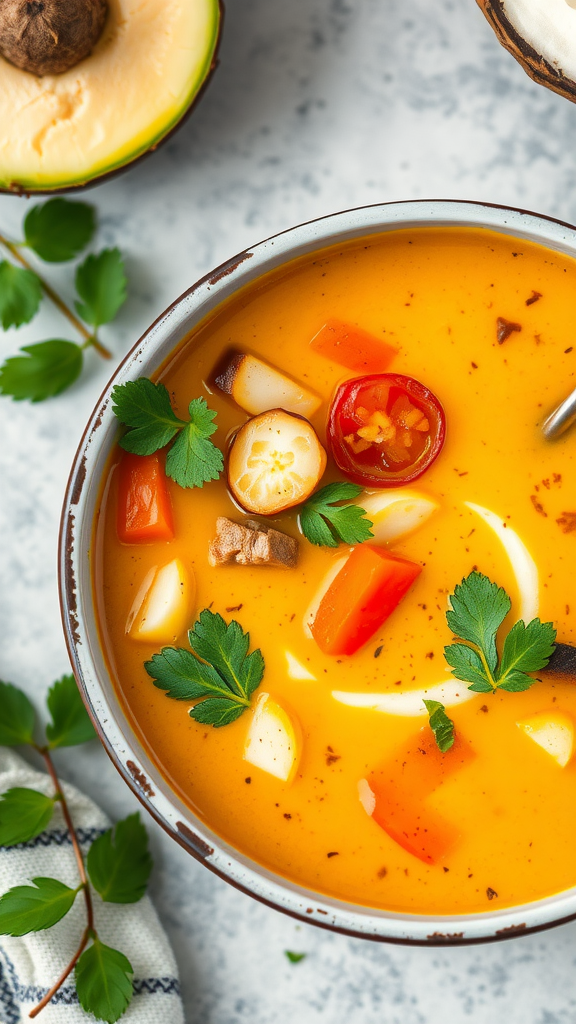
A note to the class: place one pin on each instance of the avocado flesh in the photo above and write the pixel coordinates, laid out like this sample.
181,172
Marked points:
63,131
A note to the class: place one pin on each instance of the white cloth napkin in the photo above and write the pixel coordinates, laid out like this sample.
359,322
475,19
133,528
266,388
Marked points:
30,965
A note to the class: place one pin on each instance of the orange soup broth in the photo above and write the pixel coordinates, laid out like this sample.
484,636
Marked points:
434,294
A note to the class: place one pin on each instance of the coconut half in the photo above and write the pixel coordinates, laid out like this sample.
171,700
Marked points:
541,35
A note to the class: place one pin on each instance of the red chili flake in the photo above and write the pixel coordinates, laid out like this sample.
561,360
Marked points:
484,708
567,522
533,298
430,655
538,506
331,757
567,350
474,366
504,328
288,817
234,608
382,872
546,484
333,853
446,870
557,478
491,893
248,780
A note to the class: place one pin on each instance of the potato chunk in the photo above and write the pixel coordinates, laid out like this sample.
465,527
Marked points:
273,739
257,387
163,605
553,731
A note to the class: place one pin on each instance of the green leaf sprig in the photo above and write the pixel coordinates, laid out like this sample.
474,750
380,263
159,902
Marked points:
218,672
192,459
56,231
478,608
117,866
442,726
326,522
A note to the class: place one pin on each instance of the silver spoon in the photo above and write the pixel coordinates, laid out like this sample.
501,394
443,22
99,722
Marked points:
562,418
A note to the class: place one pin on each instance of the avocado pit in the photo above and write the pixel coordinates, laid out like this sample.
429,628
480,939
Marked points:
48,37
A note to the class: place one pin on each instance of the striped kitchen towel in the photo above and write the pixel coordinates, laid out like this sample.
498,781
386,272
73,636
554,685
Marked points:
30,965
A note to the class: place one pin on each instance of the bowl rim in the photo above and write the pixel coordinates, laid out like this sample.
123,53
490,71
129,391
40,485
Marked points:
135,766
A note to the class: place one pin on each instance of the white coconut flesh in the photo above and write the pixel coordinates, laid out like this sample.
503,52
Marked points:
396,513
408,703
523,565
549,27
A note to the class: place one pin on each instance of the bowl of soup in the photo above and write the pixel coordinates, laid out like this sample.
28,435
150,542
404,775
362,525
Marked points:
317,567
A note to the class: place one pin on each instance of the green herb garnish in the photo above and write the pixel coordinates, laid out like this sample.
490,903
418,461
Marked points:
326,523
59,229
118,864
101,285
441,725
20,295
222,682
294,958
193,459
478,608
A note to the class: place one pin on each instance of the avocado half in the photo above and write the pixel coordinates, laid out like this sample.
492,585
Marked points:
541,35
61,132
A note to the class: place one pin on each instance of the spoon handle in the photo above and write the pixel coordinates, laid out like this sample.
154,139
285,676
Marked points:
562,418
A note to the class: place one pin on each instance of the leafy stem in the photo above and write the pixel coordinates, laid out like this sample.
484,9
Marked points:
89,339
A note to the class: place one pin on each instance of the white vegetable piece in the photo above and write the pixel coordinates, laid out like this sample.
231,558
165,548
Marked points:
553,731
257,387
275,462
162,607
396,513
366,796
312,609
273,739
410,703
296,670
523,565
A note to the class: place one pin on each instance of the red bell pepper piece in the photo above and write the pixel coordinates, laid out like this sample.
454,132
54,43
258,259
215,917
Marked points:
352,347
365,592
144,510
401,787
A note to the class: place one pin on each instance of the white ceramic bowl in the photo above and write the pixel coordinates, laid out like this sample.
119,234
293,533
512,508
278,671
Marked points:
79,614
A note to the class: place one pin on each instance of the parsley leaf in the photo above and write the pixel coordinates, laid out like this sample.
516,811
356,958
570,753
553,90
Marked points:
119,863
59,229
20,295
327,524
478,608
101,283
32,908
193,459
294,958
46,369
70,723
24,814
441,725
223,681
104,981
16,717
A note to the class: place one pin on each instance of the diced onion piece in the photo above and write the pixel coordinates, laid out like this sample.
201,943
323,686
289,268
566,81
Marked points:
257,387
396,513
553,731
312,609
409,703
523,565
296,670
275,462
162,607
273,739
367,797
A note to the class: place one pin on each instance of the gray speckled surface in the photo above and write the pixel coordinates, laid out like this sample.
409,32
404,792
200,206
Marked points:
318,105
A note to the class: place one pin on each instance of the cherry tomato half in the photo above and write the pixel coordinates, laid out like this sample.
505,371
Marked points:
385,429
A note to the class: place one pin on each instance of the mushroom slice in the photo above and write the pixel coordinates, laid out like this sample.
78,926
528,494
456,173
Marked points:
162,607
273,739
396,513
541,35
257,387
275,462
553,731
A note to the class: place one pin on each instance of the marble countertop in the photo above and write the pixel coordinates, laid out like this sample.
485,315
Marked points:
318,105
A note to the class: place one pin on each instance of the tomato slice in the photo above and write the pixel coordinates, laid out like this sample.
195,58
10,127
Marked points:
385,429
144,510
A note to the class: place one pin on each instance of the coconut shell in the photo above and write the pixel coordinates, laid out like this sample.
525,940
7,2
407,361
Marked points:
47,37
540,69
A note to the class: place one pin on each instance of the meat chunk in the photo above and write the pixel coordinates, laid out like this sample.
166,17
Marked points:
251,543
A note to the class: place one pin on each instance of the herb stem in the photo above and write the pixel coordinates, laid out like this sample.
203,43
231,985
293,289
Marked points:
486,667
13,248
89,930
94,342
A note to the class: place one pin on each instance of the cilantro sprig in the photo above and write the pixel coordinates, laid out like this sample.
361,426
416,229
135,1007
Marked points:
326,522
442,726
478,608
117,866
193,459
218,672
56,231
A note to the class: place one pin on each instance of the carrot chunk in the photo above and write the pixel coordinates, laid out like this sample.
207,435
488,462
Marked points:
365,592
144,510
352,347
401,788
